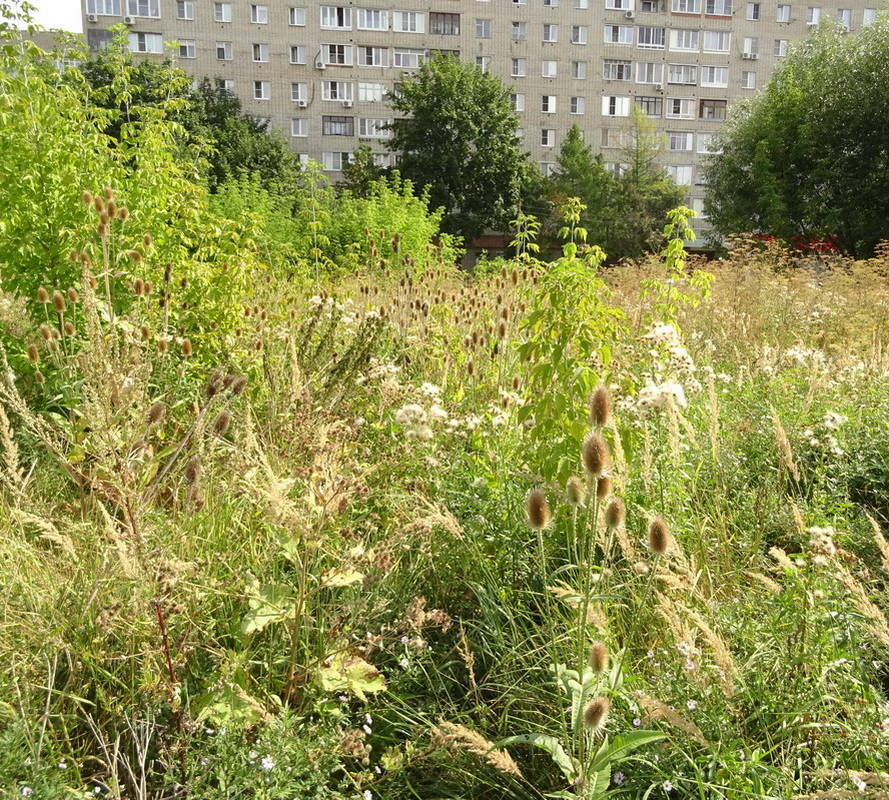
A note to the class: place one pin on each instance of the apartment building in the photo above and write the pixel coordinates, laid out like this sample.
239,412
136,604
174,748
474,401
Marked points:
321,73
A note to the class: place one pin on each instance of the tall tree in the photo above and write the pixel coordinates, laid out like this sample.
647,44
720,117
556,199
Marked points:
458,136
809,157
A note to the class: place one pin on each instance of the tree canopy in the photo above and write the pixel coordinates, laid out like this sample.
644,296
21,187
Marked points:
809,157
458,136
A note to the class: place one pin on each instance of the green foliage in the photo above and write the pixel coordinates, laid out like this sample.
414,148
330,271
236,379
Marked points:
458,138
806,158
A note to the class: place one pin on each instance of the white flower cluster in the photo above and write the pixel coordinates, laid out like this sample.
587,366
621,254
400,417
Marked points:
658,395
821,544
822,437
672,375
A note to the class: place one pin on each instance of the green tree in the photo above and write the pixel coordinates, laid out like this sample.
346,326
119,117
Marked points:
809,157
458,137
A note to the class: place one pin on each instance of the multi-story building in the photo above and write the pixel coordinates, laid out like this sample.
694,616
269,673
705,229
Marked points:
321,73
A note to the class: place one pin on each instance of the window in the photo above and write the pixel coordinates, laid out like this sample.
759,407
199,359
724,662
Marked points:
299,91
259,14
753,12
616,70
297,54
299,127
779,48
223,51
229,85
721,8
619,5
383,159
578,69
146,42
813,16
337,54
717,41
748,79
261,52
649,72
680,108
650,38
371,92
617,170
684,39
517,101
483,63
547,168
144,8
549,69
373,56
373,19
782,14
519,31
551,3
184,9
681,174
547,137
187,48
373,128
109,8
686,74
579,34
408,58
751,45
869,17
577,105
615,106
697,205
650,6
686,6
651,106
296,16
680,141
518,67
548,104
336,17
705,144
613,137
261,90
581,4
334,162
714,77
844,17
483,29
550,33
336,90
337,126
408,22
713,109
619,34
444,24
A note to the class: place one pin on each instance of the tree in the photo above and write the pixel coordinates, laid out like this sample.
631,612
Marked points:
809,157
459,138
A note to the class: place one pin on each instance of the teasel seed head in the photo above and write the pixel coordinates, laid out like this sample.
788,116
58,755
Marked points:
38,376
70,329
239,384
575,492
600,407
99,204
615,513
112,209
58,302
73,296
102,230
74,256
222,422
603,487
516,383
139,287
124,213
659,537
42,295
55,333
156,413
193,469
539,515
470,368
135,255
147,240
186,347
148,288
33,353
596,713
45,332
146,332
501,330
53,346
108,192
87,197
595,456
163,345
104,219
599,658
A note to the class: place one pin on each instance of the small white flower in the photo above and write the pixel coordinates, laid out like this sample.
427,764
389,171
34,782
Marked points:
267,764
368,795
27,791
691,705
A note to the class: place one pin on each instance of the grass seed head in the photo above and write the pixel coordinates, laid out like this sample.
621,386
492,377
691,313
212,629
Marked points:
659,537
595,456
539,515
596,713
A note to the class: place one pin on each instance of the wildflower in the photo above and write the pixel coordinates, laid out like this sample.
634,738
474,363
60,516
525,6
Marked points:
27,791
859,784
668,787
637,722
368,795
618,778
691,705
267,764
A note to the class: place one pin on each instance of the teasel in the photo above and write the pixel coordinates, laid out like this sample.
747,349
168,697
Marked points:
135,255
87,197
659,537
470,368
539,516
123,213
43,295
147,240
595,456
615,513
58,302
108,192
38,376
45,332
139,287
70,330
156,413
516,383
239,384
73,296
603,487
145,331
33,353
193,469
112,209
599,658
596,713
99,205
222,422
600,407
575,492
186,347
163,345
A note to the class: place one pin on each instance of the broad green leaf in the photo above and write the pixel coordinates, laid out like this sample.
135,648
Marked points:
569,765
623,745
268,603
346,672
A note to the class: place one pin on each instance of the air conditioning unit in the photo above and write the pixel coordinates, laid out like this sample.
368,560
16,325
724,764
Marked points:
630,14
129,20
659,87
347,104
751,56
320,64
302,103
92,17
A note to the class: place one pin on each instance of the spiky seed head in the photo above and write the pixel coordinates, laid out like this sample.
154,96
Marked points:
222,422
102,230
239,384
148,288
33,353
516,383
595,456
599,658
135,255
45,332
193,469
38,376
515,277
70,329
124,213
145,332
163,345
504,313
104,219
73,296
108,192
600,407
539,515
615,513
186,347
184,283
112,209
596,713
139,287
74,256
156,412
53,346
470,369
658,536
147,240
575,492
603,487
99,204
55,333
58,302
87,197
42,295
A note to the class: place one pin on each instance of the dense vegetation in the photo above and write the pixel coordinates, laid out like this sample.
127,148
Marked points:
292,507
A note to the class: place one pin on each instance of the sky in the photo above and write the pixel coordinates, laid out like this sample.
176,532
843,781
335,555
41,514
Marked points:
62,14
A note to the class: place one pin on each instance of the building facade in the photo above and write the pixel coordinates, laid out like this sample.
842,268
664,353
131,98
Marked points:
321,73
